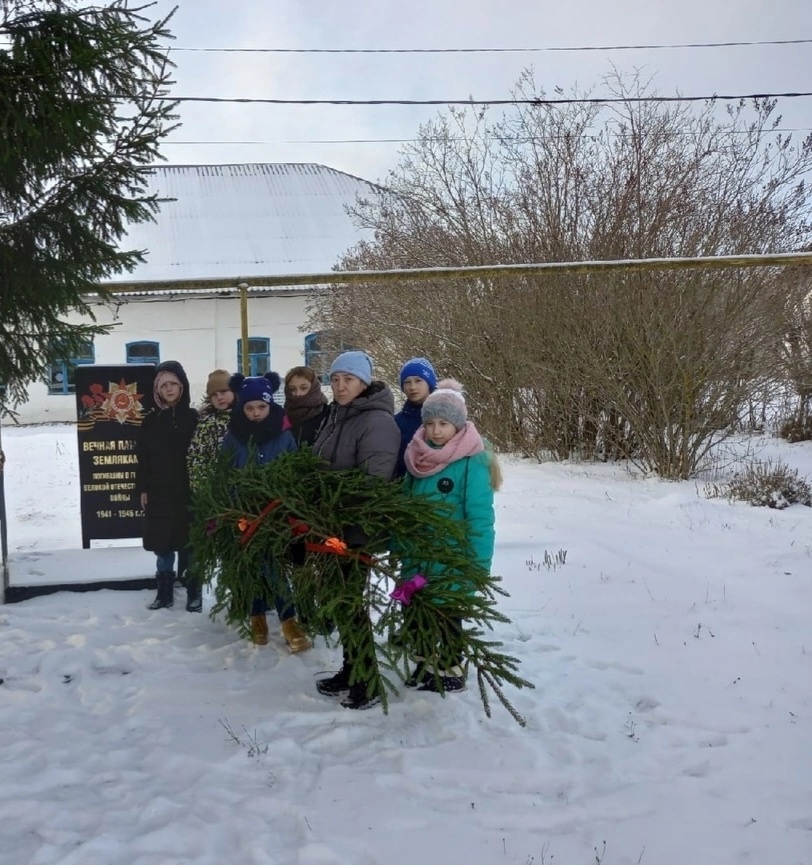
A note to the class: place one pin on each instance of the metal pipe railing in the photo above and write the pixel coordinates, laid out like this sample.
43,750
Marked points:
421,274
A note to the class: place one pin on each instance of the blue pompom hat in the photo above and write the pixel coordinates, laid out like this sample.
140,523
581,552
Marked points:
357,363
422,368
255,387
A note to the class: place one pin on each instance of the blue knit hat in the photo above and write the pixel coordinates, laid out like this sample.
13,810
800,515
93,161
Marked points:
420,367
255,387
357,363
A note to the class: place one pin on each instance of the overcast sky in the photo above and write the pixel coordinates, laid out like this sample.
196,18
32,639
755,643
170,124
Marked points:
450,24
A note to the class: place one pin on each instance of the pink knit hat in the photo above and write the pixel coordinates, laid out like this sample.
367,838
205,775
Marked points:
163,376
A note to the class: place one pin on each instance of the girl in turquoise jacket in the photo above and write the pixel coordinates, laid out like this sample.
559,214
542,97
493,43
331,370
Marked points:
448,461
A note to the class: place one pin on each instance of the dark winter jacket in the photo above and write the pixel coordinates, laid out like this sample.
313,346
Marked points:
409,420
206,442
362,435
305,432
162,471
268,438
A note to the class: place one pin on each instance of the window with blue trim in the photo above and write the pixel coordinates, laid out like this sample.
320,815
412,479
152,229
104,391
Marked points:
143,351
62,375
318,358
259,355
314,356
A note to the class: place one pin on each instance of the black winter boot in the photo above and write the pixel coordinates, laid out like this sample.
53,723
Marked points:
359,697
194,595
443,684
419,677
337,685
166,590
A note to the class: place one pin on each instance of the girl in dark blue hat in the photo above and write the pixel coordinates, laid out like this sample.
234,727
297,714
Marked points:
258,427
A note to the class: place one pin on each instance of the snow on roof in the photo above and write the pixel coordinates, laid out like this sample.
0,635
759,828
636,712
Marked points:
255,219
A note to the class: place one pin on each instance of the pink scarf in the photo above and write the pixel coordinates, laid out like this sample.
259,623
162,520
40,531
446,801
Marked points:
423,461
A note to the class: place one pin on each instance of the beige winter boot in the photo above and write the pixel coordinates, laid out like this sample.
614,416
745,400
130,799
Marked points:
296,638
259,630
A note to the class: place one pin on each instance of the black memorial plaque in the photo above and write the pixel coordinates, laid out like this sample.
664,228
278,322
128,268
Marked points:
111,404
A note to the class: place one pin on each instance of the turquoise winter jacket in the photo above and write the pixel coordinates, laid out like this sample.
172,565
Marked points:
466,485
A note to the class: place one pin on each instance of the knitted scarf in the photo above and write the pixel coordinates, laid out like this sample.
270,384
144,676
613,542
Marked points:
302,408
423,460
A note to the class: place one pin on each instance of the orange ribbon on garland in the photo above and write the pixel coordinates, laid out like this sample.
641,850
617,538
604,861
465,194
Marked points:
249,527
298,527
333,546
337,547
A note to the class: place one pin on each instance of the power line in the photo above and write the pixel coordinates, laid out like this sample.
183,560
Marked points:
776,131
547,48
594,100
311,141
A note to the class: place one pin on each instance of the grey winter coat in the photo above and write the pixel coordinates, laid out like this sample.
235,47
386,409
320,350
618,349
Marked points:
362,435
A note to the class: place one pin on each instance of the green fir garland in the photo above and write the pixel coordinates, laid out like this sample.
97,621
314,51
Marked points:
357,530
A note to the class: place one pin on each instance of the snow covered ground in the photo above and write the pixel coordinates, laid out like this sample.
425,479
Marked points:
671,722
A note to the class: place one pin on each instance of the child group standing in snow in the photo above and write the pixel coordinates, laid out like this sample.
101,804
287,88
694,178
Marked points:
430,443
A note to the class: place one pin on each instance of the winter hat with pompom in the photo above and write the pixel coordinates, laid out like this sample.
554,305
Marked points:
255,387
446,403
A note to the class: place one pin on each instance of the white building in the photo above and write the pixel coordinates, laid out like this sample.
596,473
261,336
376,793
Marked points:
227,221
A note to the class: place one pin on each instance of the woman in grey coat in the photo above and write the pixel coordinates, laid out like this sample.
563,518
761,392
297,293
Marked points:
360,433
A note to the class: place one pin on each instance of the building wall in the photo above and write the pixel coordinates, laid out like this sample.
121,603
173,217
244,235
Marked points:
201,332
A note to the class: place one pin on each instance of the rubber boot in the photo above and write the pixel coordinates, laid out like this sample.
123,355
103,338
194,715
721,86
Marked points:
166,590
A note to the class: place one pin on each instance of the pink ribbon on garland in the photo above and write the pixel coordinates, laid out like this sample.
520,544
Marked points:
407,588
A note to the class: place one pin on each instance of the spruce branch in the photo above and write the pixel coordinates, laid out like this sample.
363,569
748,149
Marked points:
250,519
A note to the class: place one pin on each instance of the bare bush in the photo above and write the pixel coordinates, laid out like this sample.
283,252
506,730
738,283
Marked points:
768,484
795,353
654,366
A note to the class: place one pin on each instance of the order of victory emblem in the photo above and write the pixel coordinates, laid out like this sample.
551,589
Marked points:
120,402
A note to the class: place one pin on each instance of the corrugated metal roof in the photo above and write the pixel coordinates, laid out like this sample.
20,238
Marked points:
254,219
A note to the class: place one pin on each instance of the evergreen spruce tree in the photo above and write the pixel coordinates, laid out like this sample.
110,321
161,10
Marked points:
83,92
247,517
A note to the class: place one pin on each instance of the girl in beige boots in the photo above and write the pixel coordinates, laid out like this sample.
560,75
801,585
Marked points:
258,427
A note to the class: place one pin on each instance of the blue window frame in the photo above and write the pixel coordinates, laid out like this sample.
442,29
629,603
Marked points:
143,351
62,375
259,355
314,356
